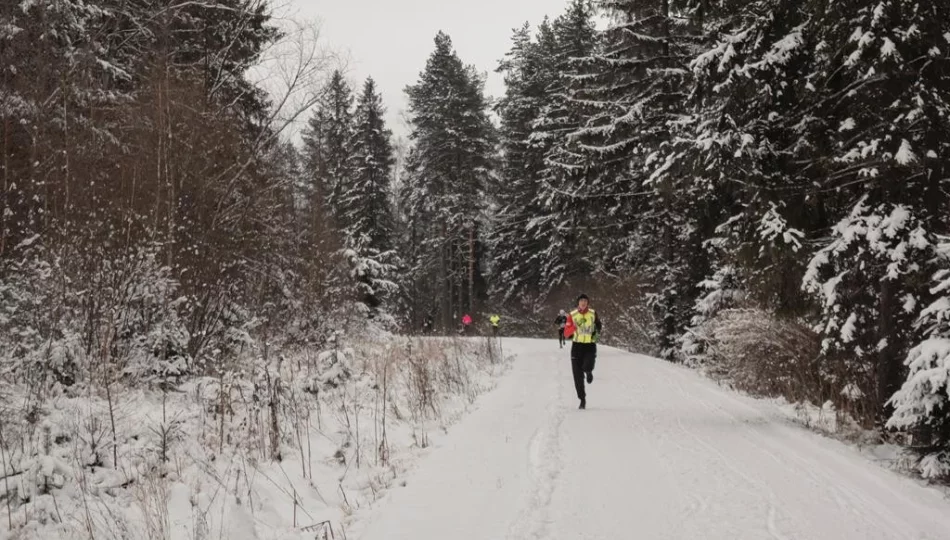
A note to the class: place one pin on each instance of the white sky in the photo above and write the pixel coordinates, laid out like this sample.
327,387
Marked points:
391,39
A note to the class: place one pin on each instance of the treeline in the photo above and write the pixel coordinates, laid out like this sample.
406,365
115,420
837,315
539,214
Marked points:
765,182
414,234
152,222
155,223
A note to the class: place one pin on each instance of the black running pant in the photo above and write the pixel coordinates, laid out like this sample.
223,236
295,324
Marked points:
583,356
560,336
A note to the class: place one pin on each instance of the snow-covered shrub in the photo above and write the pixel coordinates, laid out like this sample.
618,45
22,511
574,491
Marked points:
756,262
722,291
232,435
67,316
153,339
132,310
868,281
922,405
40,333
764,355
334,367
371,279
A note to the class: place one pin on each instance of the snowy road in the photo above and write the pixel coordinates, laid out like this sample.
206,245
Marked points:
661,453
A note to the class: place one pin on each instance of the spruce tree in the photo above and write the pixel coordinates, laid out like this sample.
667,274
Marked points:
815,119
572,38
365,202
451,163
884,101
922,405
314,153
632,89
756,75
346,167
328,145
529,75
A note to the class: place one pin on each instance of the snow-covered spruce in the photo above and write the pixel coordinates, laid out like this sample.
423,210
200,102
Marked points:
444,193
864,278
922,405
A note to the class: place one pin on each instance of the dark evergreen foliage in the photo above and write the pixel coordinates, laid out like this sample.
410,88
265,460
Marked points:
448,172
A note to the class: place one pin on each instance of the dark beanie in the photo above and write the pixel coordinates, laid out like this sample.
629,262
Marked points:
582,297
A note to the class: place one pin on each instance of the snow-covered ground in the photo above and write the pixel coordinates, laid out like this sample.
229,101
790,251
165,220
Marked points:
304,448
661,453
441,439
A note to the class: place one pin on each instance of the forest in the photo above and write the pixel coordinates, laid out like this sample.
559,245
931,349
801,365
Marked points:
756,188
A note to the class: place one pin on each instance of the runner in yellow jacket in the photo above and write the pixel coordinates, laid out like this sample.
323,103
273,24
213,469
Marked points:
583,328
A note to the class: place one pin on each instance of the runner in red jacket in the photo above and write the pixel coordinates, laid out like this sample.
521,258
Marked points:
466,322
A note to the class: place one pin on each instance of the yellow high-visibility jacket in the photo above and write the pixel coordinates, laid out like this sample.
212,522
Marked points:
582,327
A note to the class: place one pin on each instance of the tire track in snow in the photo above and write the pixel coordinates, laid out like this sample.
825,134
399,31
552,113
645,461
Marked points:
545,460
757,442
652,426
668,456
772,510
845,497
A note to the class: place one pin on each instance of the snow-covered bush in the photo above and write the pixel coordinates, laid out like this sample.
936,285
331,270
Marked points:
39,339
722,291
370,275
334,368
151,339
69,315
234,443
922,405
764,355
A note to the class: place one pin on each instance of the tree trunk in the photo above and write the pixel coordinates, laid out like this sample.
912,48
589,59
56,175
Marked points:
446,289
471,268
7,196
888,363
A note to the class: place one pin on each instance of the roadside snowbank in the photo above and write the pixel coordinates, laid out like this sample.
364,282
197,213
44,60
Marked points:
290,447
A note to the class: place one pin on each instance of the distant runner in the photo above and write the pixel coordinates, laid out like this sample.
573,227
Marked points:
494,320
466,322
561,322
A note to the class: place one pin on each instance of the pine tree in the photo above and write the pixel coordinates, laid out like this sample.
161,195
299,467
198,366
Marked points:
451,164
418,283
756,74
365,204
571,38
922,405
328,150
885,107
328,145
368,210
866,278
625,211
806,149
516,245
314,153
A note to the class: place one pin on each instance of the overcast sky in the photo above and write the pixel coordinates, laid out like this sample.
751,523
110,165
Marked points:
391,39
